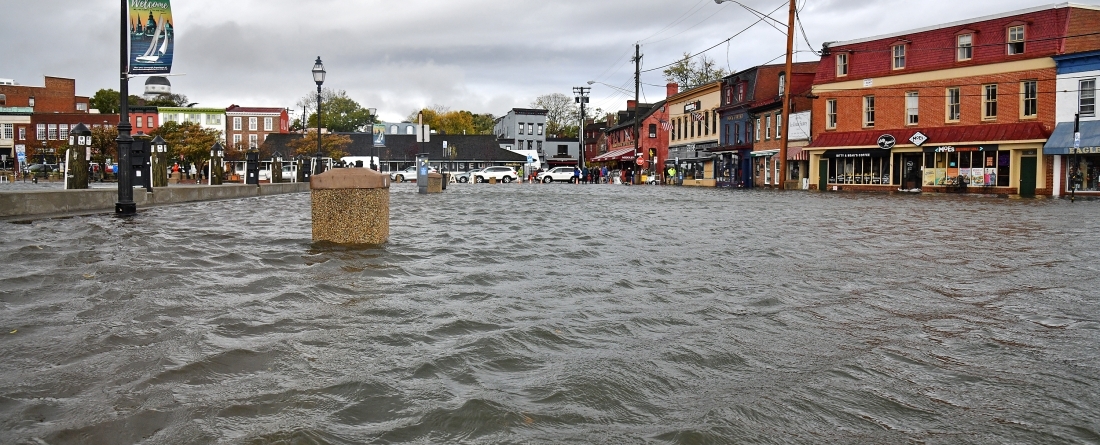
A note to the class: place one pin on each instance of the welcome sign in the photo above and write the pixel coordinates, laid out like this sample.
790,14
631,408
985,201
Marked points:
152,36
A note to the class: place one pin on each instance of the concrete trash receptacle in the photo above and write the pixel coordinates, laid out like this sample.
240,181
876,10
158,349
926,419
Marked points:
350,206
435,183
492,180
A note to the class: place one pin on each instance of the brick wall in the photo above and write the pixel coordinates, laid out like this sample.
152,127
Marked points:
890,112
57,96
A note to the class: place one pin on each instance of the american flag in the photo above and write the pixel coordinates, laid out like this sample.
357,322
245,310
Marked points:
666,125
697,116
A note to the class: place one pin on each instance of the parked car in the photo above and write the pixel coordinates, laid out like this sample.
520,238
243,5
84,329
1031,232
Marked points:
408,174
501,174
464,177
560,174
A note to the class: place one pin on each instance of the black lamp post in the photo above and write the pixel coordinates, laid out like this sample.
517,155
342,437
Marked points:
319,77
125,205
373,146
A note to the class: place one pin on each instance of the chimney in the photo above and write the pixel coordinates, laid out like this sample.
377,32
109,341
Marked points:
672,89
630,104
611,120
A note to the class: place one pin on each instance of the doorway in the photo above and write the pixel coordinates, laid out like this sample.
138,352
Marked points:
1029,166
911,171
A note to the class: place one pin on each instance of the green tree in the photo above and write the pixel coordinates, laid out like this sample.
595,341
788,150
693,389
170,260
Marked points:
169,100
689,73
339,113
561,113
188,139
332,145
483,123
106,101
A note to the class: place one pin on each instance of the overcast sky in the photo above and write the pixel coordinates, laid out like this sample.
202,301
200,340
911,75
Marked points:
485,56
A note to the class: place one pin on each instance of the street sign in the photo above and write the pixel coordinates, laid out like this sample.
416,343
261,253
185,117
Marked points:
918,139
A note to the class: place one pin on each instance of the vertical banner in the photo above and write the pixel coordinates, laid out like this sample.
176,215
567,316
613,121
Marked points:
152,37
379,135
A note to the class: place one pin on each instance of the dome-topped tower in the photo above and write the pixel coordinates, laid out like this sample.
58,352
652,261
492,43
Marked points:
156,87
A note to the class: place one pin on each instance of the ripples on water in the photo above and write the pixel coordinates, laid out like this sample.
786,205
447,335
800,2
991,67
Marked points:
559,314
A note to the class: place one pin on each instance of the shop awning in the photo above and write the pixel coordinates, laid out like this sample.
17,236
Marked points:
757,154
1021,131
622,154
797,154
1061,141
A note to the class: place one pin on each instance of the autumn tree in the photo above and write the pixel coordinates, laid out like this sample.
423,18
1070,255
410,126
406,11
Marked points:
188,139
332,145
689,73
107,101
483,123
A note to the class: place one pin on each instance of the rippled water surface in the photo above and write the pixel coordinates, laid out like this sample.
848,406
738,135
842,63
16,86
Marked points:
559,314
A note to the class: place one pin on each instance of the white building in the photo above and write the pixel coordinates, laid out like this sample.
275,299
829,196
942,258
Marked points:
1078,74
208,118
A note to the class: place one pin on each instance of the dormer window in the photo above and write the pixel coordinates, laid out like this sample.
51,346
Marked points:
964,44
782,84
1016,39
899,56
740,92
841,65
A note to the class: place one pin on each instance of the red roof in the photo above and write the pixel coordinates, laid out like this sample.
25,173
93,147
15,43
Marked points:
1022,131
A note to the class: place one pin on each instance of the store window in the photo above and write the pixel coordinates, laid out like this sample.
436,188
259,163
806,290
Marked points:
977,167
1089,166
858,168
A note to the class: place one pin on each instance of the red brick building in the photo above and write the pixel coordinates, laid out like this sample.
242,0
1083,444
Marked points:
144,120
652,140
57,95
248,127
931,109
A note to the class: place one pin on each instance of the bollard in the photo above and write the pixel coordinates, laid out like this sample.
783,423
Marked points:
435,183
350,206
446,179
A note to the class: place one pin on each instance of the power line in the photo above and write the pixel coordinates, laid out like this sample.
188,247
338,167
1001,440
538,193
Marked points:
679,19
954,85
952,48
716,45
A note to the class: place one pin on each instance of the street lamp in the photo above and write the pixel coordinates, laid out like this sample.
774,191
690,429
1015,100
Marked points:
374,147
319,77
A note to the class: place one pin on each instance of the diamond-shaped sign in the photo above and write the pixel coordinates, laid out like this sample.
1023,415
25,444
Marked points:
918,139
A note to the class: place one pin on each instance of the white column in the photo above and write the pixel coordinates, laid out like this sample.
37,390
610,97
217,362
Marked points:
1058,175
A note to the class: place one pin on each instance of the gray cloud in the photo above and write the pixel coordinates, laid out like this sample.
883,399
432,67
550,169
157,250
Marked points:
480,55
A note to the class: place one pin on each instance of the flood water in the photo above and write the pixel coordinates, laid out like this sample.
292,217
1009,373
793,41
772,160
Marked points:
558,313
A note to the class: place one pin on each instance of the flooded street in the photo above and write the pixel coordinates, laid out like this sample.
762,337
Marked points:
559,314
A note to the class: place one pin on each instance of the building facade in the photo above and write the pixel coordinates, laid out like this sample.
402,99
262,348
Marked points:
208,118
693,133
1076,100
963,106
57,95
14,122
250,126
144,120
652,143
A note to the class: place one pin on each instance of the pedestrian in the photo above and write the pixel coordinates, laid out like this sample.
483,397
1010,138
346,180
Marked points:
576,175
584,175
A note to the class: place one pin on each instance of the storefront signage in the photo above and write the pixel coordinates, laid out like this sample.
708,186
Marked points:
856,154
1084,150
918,139
886,141
693,106
953,149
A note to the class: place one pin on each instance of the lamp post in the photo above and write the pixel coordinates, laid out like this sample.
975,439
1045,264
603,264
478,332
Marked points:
319,78
786,91
373,145
125,205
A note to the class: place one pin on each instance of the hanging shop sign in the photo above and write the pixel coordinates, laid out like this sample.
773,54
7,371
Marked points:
152,37
693,106
886,141
918,139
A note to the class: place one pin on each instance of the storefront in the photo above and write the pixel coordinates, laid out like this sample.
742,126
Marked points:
765,167
697,172
854,167
728,169
1076,169
974,166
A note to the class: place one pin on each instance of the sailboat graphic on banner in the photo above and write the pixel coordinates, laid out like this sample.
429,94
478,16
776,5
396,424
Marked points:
152,55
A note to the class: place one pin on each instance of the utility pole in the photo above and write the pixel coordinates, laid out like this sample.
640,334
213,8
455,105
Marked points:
786,98
582,98
637,89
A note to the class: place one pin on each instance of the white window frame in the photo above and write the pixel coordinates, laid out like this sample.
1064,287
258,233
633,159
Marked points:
22,133
782,84
1017,36
138,121
953,96
40,132
269,123
236,140
81,106
236,123
1086,97
964,51
778,125
8,131
898,53
63,132
912,108
841,65
989,101
868,111
253,123
767,127
521,127
51,132
1029,99
540,130
757,130
253,141
830,114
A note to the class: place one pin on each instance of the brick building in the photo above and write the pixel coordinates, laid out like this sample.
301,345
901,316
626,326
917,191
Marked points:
250,126
652,139
693,133
1076,99
57,95
970,102
143,120
750,125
